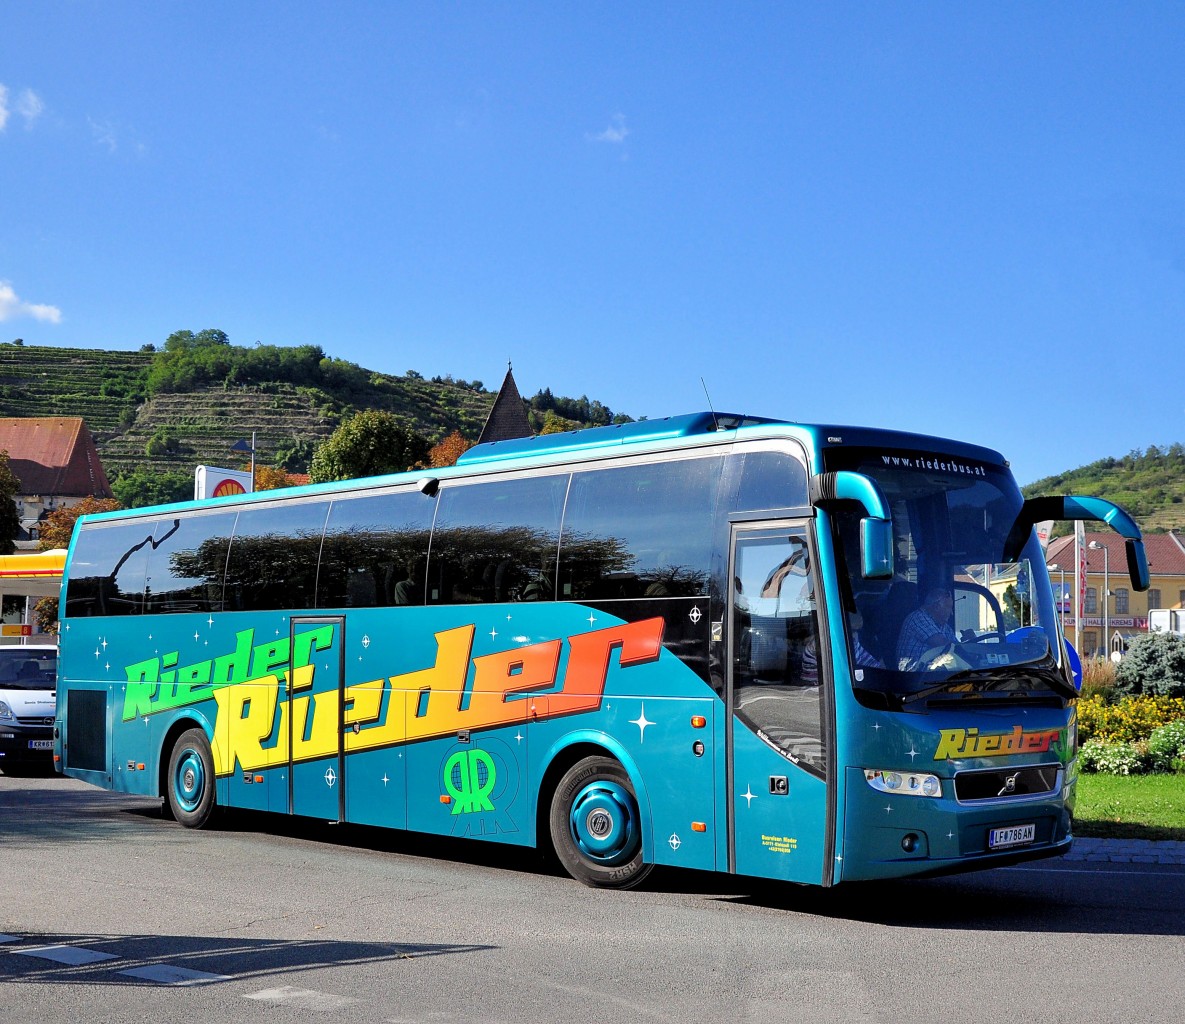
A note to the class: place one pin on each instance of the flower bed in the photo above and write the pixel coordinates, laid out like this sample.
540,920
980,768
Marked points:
1131,736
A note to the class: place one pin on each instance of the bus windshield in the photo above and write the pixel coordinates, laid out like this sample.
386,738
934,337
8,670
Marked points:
956,618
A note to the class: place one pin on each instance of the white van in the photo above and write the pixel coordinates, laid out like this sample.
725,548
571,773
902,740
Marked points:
28,689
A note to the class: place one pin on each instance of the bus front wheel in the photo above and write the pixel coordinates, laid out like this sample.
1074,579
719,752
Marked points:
596,827
191,779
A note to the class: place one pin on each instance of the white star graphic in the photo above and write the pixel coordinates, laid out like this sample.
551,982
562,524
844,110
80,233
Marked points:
641,722
749,796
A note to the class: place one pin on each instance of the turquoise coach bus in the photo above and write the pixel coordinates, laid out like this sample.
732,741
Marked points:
691,641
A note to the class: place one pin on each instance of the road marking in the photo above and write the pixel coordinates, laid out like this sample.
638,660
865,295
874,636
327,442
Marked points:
75,956
1098,871
167,974
304,998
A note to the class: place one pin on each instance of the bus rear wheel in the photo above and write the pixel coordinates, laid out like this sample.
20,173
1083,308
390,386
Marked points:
596,827
191,779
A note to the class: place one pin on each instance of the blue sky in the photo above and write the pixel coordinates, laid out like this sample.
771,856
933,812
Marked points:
965,220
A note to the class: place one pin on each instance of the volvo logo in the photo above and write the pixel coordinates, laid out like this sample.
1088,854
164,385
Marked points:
1009,784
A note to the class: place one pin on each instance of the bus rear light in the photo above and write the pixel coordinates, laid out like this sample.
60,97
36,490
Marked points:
698,721
903,783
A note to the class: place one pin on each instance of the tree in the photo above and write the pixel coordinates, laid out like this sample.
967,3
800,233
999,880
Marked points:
368,444
268,478
1154,664
143,487
10,520
59,524
449,450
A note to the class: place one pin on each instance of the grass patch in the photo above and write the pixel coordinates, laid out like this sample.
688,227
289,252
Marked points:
1130,806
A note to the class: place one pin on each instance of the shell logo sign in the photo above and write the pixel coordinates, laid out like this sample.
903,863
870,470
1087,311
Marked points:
212,482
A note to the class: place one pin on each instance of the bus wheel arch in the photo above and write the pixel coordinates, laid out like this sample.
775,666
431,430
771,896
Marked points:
189,781
596,821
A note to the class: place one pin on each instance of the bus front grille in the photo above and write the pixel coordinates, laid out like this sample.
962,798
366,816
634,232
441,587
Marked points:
1005,783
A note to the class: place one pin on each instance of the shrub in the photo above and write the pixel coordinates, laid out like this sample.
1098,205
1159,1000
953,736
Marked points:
1098,677
1155,664
1127,720
1166,746
1115,758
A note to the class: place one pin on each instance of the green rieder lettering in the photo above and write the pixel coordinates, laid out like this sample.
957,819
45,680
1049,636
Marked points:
157,685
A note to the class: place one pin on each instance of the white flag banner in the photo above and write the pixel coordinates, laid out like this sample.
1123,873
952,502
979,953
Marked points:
1044,532
1079,580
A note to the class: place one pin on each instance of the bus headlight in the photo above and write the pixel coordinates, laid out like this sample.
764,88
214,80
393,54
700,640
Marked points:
905,783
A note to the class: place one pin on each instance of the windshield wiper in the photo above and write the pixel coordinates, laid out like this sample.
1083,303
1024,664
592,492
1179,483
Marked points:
958,679
984,677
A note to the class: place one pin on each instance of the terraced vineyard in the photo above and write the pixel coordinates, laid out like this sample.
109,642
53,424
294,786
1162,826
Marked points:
107,389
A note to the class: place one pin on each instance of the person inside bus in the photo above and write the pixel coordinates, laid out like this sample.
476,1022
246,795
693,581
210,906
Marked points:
863,659
927,627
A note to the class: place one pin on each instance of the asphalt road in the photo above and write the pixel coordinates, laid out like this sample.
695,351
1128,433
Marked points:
110,913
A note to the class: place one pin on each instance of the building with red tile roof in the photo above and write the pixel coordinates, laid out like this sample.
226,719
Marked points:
1106,579
56,461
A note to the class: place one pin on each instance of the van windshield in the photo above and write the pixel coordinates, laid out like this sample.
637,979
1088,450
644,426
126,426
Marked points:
24,668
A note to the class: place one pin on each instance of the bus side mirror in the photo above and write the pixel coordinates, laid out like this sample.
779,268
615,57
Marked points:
876,529
1137,564
876,548
1085,507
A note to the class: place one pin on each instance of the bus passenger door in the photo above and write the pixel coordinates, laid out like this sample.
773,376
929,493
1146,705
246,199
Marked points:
779,708
313,693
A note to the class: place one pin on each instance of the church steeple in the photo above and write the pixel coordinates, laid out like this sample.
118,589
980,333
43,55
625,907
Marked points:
508,418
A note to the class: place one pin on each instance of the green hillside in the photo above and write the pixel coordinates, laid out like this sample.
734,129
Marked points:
189,402
1149,484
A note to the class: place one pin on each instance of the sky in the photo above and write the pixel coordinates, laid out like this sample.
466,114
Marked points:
957,219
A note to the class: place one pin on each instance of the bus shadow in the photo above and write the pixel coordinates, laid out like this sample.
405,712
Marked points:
420,845
1021,899
143,959
34,810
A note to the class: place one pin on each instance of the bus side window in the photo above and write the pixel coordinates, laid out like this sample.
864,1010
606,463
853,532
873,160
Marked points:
107,570
273,557
496,541
375,550
187,563
769,480
640,531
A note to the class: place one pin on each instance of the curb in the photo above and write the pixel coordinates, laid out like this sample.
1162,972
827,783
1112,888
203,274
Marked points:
1128,851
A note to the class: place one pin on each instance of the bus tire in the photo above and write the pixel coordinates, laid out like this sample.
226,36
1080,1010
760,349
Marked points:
596,826
191,779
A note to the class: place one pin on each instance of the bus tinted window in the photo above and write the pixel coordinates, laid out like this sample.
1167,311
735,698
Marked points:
640,531
375,551
770,480
187,562
497,541
107,570
273,558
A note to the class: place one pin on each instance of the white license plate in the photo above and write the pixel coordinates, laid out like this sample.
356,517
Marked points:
41,744
1014,835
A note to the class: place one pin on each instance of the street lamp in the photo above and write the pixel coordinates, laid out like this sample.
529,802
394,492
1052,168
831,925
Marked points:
1094,545
242,446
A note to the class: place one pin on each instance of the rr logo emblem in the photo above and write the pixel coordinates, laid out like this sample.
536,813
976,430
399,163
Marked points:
469,778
